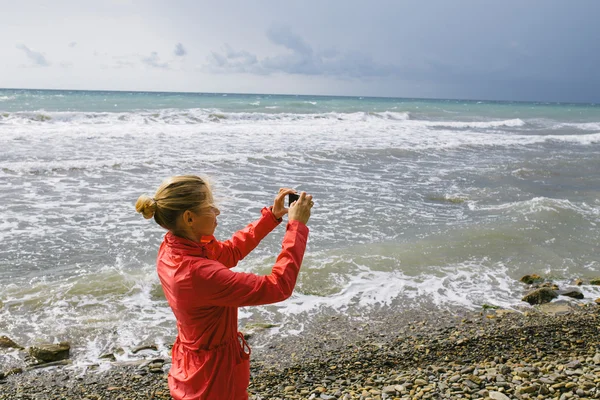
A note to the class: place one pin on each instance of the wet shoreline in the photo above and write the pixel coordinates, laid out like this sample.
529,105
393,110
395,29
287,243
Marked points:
537,351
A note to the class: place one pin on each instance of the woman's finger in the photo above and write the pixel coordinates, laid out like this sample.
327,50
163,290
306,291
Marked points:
284,192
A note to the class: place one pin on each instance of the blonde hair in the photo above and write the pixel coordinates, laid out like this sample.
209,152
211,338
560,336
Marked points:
174,196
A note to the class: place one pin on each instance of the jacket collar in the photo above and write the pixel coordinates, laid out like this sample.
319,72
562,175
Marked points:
187,247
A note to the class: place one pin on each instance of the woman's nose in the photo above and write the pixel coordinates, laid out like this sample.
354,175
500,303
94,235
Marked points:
217,211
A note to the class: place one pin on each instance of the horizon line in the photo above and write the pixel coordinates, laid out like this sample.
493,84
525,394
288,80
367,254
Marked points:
311,95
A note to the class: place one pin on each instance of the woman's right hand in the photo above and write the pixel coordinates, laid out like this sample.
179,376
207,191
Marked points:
300,209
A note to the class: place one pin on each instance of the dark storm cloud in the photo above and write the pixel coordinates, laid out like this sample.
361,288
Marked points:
514,50
299,58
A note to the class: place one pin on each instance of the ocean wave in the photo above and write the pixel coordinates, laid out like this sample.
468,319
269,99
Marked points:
585,139
585,126
540,204
183,117
509,123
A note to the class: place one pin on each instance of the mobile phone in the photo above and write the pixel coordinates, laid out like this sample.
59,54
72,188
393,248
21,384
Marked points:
292,197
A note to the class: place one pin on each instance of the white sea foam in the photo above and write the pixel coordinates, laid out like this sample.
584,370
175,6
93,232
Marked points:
586,126
539,204
403,207
182,117
511,123
122,301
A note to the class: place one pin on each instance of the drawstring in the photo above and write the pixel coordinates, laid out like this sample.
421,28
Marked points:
245,348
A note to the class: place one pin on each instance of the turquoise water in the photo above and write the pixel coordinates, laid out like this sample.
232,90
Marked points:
443,201
100,101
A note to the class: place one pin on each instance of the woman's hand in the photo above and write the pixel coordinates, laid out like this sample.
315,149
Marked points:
279,209
300,209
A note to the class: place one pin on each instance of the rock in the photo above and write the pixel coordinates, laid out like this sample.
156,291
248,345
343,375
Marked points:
108,356
6,342
531,279
251,329
144,347
389,390
528,389
597,301
596,359
550,285
486,306
51,364
498,396
50,352
578,282
571,292
595,281
540,296
560,307
14,371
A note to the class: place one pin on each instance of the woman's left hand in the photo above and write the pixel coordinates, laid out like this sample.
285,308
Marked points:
279,209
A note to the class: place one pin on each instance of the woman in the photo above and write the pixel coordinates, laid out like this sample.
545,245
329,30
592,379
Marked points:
210,358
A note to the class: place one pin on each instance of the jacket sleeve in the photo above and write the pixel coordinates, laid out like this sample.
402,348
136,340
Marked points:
231,251
219,286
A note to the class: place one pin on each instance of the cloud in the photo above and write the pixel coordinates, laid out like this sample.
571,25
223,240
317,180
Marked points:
180,51
120,62
153,60
231,60
72,44
36,57
283,36
300,58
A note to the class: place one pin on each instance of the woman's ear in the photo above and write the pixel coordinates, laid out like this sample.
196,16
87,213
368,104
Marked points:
188,217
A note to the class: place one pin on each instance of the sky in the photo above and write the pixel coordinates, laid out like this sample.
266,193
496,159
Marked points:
538,50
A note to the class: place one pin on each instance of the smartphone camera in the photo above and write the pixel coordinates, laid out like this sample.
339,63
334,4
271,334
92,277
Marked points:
292,197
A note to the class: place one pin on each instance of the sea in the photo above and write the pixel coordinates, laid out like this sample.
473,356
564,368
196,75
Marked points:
418,203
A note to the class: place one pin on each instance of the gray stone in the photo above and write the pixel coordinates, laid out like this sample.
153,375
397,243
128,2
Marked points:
571,292
470,384
6,342
540,296
50,352
498,396
560,307
144,347
531,279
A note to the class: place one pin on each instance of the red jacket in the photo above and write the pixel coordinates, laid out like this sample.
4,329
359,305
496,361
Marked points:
210,360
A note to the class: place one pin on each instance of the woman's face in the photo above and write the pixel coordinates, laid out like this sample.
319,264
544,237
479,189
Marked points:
205,221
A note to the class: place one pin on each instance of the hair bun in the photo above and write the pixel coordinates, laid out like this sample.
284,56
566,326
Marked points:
146,206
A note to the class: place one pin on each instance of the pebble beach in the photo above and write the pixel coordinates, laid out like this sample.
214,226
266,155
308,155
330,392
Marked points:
541,352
